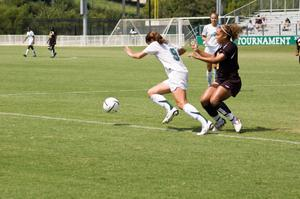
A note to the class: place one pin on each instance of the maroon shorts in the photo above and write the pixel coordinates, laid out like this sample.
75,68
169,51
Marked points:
234,85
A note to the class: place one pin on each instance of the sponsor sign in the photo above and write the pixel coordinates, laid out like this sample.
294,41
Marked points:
262,40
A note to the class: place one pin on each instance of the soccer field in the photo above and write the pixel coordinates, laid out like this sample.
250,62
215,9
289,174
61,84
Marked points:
57,142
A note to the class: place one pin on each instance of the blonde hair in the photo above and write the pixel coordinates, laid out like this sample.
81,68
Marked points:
155,36
232,31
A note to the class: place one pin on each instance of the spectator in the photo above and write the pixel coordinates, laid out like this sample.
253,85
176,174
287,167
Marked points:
132,31
258,22
286,24
250,27
264,22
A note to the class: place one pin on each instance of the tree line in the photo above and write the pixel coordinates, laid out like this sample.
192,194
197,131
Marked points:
16,15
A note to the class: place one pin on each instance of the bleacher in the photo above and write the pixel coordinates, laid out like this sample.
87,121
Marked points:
274,12
274,23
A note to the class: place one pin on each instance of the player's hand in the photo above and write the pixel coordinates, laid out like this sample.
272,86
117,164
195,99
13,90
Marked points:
128,50
194,45
191,55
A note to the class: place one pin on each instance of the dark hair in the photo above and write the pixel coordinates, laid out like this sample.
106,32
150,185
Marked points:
232,31
214,13
155,36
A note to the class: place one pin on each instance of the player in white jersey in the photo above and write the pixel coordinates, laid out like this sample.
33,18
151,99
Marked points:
31,39
211,44
176,83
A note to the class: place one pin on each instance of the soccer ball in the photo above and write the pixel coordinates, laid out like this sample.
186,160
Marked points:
111,104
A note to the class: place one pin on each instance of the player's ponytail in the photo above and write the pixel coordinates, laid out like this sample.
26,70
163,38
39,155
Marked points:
155,36
232,31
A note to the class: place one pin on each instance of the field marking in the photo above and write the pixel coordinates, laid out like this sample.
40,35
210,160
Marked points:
140,127
260,139
123,90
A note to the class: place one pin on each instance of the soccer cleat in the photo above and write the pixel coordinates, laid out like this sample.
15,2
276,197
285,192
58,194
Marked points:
170,115
219,124
209,125
34,55
237,125
25,55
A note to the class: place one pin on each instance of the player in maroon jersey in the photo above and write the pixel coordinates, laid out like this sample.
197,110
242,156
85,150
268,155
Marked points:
228,82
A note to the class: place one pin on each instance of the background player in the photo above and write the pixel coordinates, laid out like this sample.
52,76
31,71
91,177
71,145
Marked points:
298,46
211,44
228,82
176,83
52,42
31,40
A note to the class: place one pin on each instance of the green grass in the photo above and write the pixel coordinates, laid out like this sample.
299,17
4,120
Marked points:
56,142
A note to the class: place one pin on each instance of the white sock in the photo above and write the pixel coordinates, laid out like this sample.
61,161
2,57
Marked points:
229,116
26,52
209,77
216,118
161,101
194,113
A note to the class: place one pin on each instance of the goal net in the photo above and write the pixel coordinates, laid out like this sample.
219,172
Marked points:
179,31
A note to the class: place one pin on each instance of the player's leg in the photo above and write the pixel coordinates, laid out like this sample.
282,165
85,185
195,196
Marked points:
53,49
209,68
217,100
180,97
32,48
50,49
27,50
210,109
156,95
209,74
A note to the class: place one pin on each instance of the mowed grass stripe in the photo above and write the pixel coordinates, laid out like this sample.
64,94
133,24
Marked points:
138,126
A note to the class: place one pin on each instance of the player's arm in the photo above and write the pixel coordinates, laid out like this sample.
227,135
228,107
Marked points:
209,59
202,53
204,38
136,55
25,39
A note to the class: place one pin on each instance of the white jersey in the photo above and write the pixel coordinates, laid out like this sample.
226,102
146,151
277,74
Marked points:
209,31
30,37
168,55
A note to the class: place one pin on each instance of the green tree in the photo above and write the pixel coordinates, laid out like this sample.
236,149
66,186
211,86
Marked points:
182,8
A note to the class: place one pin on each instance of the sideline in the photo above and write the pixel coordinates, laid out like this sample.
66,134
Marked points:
140,127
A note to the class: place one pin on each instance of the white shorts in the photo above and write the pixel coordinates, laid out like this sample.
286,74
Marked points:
176,80
210,50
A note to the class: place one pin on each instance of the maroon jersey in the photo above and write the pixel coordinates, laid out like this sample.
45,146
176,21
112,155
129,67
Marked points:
298,42
227,71
228,68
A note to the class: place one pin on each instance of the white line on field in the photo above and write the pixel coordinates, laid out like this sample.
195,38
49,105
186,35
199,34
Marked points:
82,121
260,139
125,90
139,127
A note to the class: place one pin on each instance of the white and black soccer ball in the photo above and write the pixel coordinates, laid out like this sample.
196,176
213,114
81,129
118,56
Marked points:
111,104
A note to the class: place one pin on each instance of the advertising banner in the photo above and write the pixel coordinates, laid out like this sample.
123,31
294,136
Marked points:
261,40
